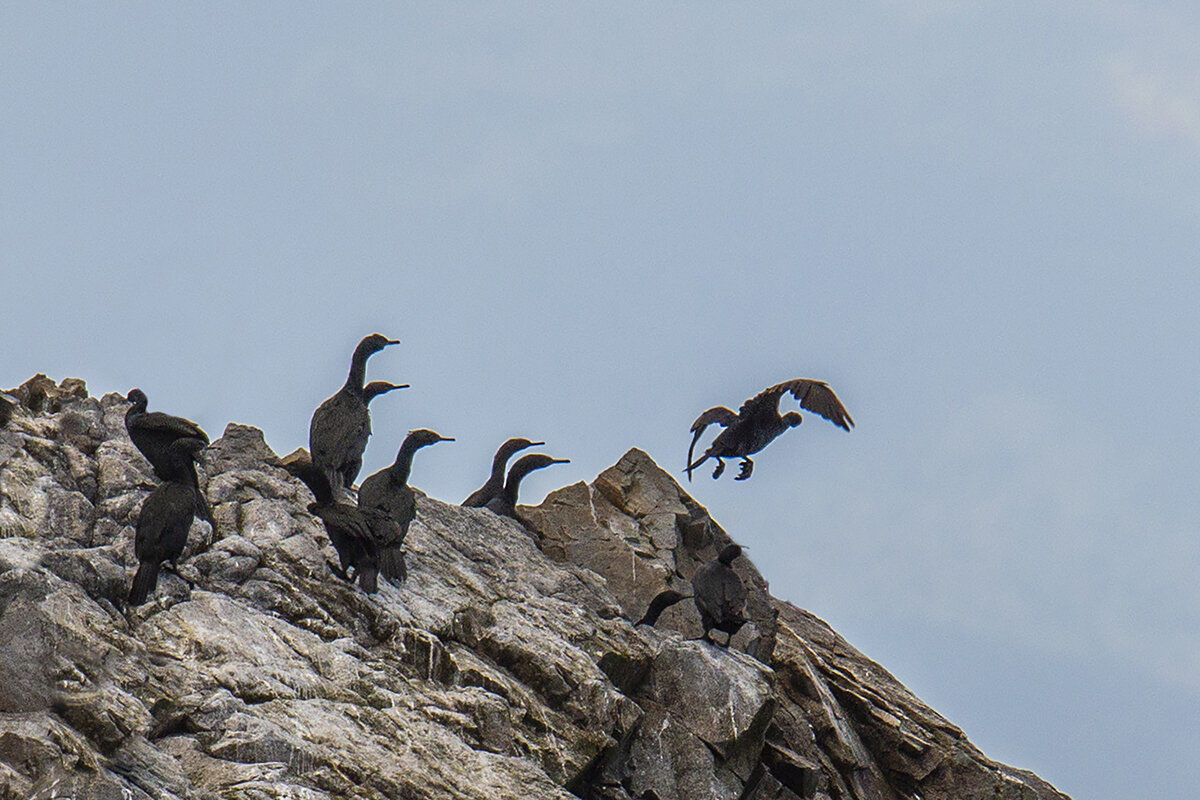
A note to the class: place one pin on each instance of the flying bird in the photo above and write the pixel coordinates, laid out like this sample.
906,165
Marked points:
340,427
758,422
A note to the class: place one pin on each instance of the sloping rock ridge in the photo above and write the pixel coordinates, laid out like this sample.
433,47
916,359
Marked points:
505,667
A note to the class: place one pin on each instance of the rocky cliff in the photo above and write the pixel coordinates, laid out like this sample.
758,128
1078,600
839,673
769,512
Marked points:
506,667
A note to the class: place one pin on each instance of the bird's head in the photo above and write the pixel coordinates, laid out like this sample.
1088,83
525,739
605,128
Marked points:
424,437
373,344
793,418
729,553
137,397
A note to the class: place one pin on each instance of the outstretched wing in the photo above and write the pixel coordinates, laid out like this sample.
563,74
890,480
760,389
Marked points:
814,396
720,415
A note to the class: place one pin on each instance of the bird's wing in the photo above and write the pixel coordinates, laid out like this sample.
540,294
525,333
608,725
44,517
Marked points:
337,426
720,415
347,520
159,422
734,594
814,396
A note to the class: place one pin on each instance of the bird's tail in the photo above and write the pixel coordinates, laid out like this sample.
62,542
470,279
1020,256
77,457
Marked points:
392,564
144,582
661,602
368,579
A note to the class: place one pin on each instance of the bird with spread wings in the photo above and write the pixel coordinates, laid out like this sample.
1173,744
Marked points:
758,422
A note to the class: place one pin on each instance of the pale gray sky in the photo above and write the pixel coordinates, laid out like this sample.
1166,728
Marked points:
589,222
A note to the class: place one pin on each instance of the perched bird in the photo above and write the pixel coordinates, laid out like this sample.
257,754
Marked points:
505,503
348,531
719,595
758,422
166,516
153,432
340,427
376,388
495,483
388,503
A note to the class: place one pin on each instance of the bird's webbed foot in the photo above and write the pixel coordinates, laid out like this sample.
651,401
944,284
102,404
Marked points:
720,468
744,472
341,573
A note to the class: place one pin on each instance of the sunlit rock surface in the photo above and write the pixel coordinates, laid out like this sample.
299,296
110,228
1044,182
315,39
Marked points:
506,667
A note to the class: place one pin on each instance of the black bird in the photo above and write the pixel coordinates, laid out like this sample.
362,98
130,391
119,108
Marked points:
719,595
166,517
376,388
758,422
153,432
505,503
340,427
348,531
388,503
495,483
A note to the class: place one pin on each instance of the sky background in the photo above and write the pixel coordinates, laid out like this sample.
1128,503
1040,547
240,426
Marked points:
587,223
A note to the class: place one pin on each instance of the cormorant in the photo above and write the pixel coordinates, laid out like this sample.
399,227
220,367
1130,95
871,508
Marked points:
153,432
719,595
495,484
505,503
389,505
348,531
376,388
340,427
758,422
166,517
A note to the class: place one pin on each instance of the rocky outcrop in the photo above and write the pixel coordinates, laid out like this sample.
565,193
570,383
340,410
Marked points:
506,667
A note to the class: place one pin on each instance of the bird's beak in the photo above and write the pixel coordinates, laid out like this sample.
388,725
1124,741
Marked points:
402,386
562,461
391,342
536,444
446,439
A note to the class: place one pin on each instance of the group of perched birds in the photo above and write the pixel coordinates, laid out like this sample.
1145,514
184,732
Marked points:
368,531
172,445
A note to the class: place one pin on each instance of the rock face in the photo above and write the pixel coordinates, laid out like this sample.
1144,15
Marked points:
506,667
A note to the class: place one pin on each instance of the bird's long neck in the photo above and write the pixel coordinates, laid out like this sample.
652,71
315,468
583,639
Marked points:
513,484
499,461
402,467
358,373
138,407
